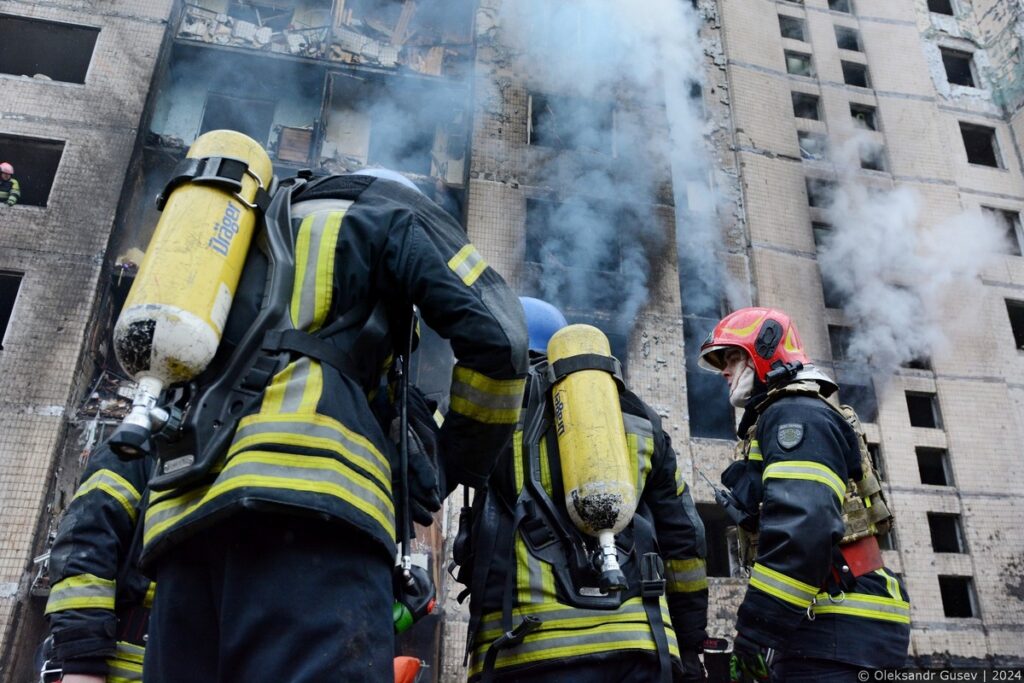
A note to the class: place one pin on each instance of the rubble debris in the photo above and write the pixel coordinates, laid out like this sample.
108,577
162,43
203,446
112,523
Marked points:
108,402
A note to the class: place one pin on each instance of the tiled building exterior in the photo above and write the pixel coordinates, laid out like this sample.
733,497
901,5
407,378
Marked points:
162,72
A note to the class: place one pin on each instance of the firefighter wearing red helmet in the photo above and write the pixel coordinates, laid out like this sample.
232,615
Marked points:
10,190
819,602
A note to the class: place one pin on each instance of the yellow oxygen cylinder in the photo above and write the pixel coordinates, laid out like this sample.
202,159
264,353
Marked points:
599,484
173,319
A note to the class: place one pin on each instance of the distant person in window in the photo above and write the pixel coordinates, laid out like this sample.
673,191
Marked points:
10,190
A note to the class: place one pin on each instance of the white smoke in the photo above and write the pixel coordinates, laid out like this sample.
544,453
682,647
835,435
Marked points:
645,59
894,274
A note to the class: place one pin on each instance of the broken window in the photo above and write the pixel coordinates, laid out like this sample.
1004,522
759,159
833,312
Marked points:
875,453
1008,223
54,51
947,533
720,545
933,464
920,363
872,157
792,27
9,285
858,391
799,64
822,234
841,6
35,162
563,122
707,394
848,38
839,339
864,115
1015,309
887,541
806,106
958,601
275,15
252,117
813,146
855,74
941,6
820,192
924,410
980,144
959,70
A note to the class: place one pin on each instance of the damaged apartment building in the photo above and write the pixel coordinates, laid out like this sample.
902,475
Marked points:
644,194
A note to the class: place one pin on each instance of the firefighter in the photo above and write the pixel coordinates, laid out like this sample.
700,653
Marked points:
521,558
99,604
278,566
818,596
10,190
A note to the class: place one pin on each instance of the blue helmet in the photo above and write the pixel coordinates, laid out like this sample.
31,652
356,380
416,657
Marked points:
542,321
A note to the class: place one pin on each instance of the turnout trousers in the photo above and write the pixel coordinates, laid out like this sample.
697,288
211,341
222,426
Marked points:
272,598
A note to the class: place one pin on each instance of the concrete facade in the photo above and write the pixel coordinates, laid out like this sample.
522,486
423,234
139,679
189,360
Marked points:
763,243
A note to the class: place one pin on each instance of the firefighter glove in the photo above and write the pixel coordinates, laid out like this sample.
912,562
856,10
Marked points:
748,660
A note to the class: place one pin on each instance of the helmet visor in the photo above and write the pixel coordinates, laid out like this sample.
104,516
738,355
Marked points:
712,358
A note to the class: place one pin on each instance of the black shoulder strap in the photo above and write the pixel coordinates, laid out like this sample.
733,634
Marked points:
224,172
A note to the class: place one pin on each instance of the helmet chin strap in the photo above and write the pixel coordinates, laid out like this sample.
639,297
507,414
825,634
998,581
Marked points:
742,386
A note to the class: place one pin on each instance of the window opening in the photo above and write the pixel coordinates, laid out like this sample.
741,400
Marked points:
10,283
980,144
933,465
864,115
35,162
1015,309
806,106
792,27
61,52
1008,223
946,531
958,601
924,410
799,64
856,74
959,70
848,38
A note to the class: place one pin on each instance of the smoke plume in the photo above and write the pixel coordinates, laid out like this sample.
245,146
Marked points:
603,76
894,274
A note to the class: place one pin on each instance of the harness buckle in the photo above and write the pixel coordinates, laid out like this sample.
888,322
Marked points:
652,575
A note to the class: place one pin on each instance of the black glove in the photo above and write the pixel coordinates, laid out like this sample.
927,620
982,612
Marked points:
748,659
693,670
425,477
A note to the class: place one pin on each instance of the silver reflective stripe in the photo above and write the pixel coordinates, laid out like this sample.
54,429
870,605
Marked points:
685,576
305,316
867,606
632,609
486,399
468,264
368,458
296,386
126,664
115,486
806,470
643,433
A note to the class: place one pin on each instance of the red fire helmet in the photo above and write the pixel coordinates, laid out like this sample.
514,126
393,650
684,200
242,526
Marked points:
768,335
6,168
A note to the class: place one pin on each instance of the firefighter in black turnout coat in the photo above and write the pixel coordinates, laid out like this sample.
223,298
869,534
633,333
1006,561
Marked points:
523,559
818,595
278,567
99,601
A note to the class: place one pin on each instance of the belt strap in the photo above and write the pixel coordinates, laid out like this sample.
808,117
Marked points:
652,587
223,172
309,345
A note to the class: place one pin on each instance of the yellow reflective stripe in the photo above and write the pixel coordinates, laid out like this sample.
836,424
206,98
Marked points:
866,606
147,601
115,486
468,264
806,470
685,576
82,591
755,452
545,467
680,484
126,664
487,400
325,269
517,459
783,587
311,430
891,584
284,471
296,389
